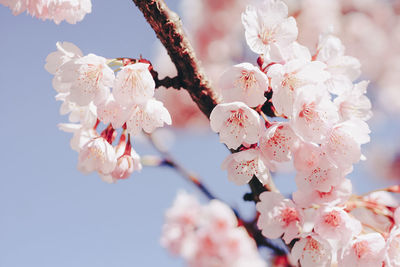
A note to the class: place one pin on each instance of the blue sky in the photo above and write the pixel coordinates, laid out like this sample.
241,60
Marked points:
52,215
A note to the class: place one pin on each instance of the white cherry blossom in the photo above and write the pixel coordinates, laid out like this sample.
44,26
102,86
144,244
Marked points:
134,85
343,69
313,113
243,165
343,142
90,79
244,82
81,135
97,155
148,117
288,78
278,216
364,251
110,111
354,103
312,251
267,27
236,124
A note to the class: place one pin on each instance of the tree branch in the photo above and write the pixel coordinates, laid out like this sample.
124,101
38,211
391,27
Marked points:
168,28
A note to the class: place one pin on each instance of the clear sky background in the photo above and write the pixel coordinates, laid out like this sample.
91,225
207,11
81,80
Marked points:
52,215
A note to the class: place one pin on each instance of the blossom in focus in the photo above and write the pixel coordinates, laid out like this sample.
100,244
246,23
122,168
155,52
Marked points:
364,251
278,216
133,85
97,155
242,166
278,141
236,123
72,11
244,82
267,27
90,78
312,251
148,117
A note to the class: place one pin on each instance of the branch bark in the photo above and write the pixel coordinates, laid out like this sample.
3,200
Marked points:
168,28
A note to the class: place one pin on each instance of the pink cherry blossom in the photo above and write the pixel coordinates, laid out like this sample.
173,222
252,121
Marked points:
278,216
354,103
339,194
278,141
97,155
244,82
312,251
365,251
134,85
288,78
126,165
336,224
392,257
321,177
90,79
181,220
268,27
343,142
243,165
306,156
343,69
71,11
313,113
148,117
236,123
110,111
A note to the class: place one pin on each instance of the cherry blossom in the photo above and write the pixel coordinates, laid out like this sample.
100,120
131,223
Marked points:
97,155
148,117
243,165
134,85
337,195
267,27
354,103
81,135
343,142
110,111
336,224
236,123
288,78
71,11
313,113
208,235
312,250
90,79
278,216
343,69
244,82
365,250
277,142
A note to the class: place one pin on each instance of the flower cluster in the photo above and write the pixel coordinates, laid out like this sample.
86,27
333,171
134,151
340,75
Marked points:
71,11
84,85
324,115
208,235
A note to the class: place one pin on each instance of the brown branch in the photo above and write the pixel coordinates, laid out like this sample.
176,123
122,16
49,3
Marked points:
166,82
167,25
